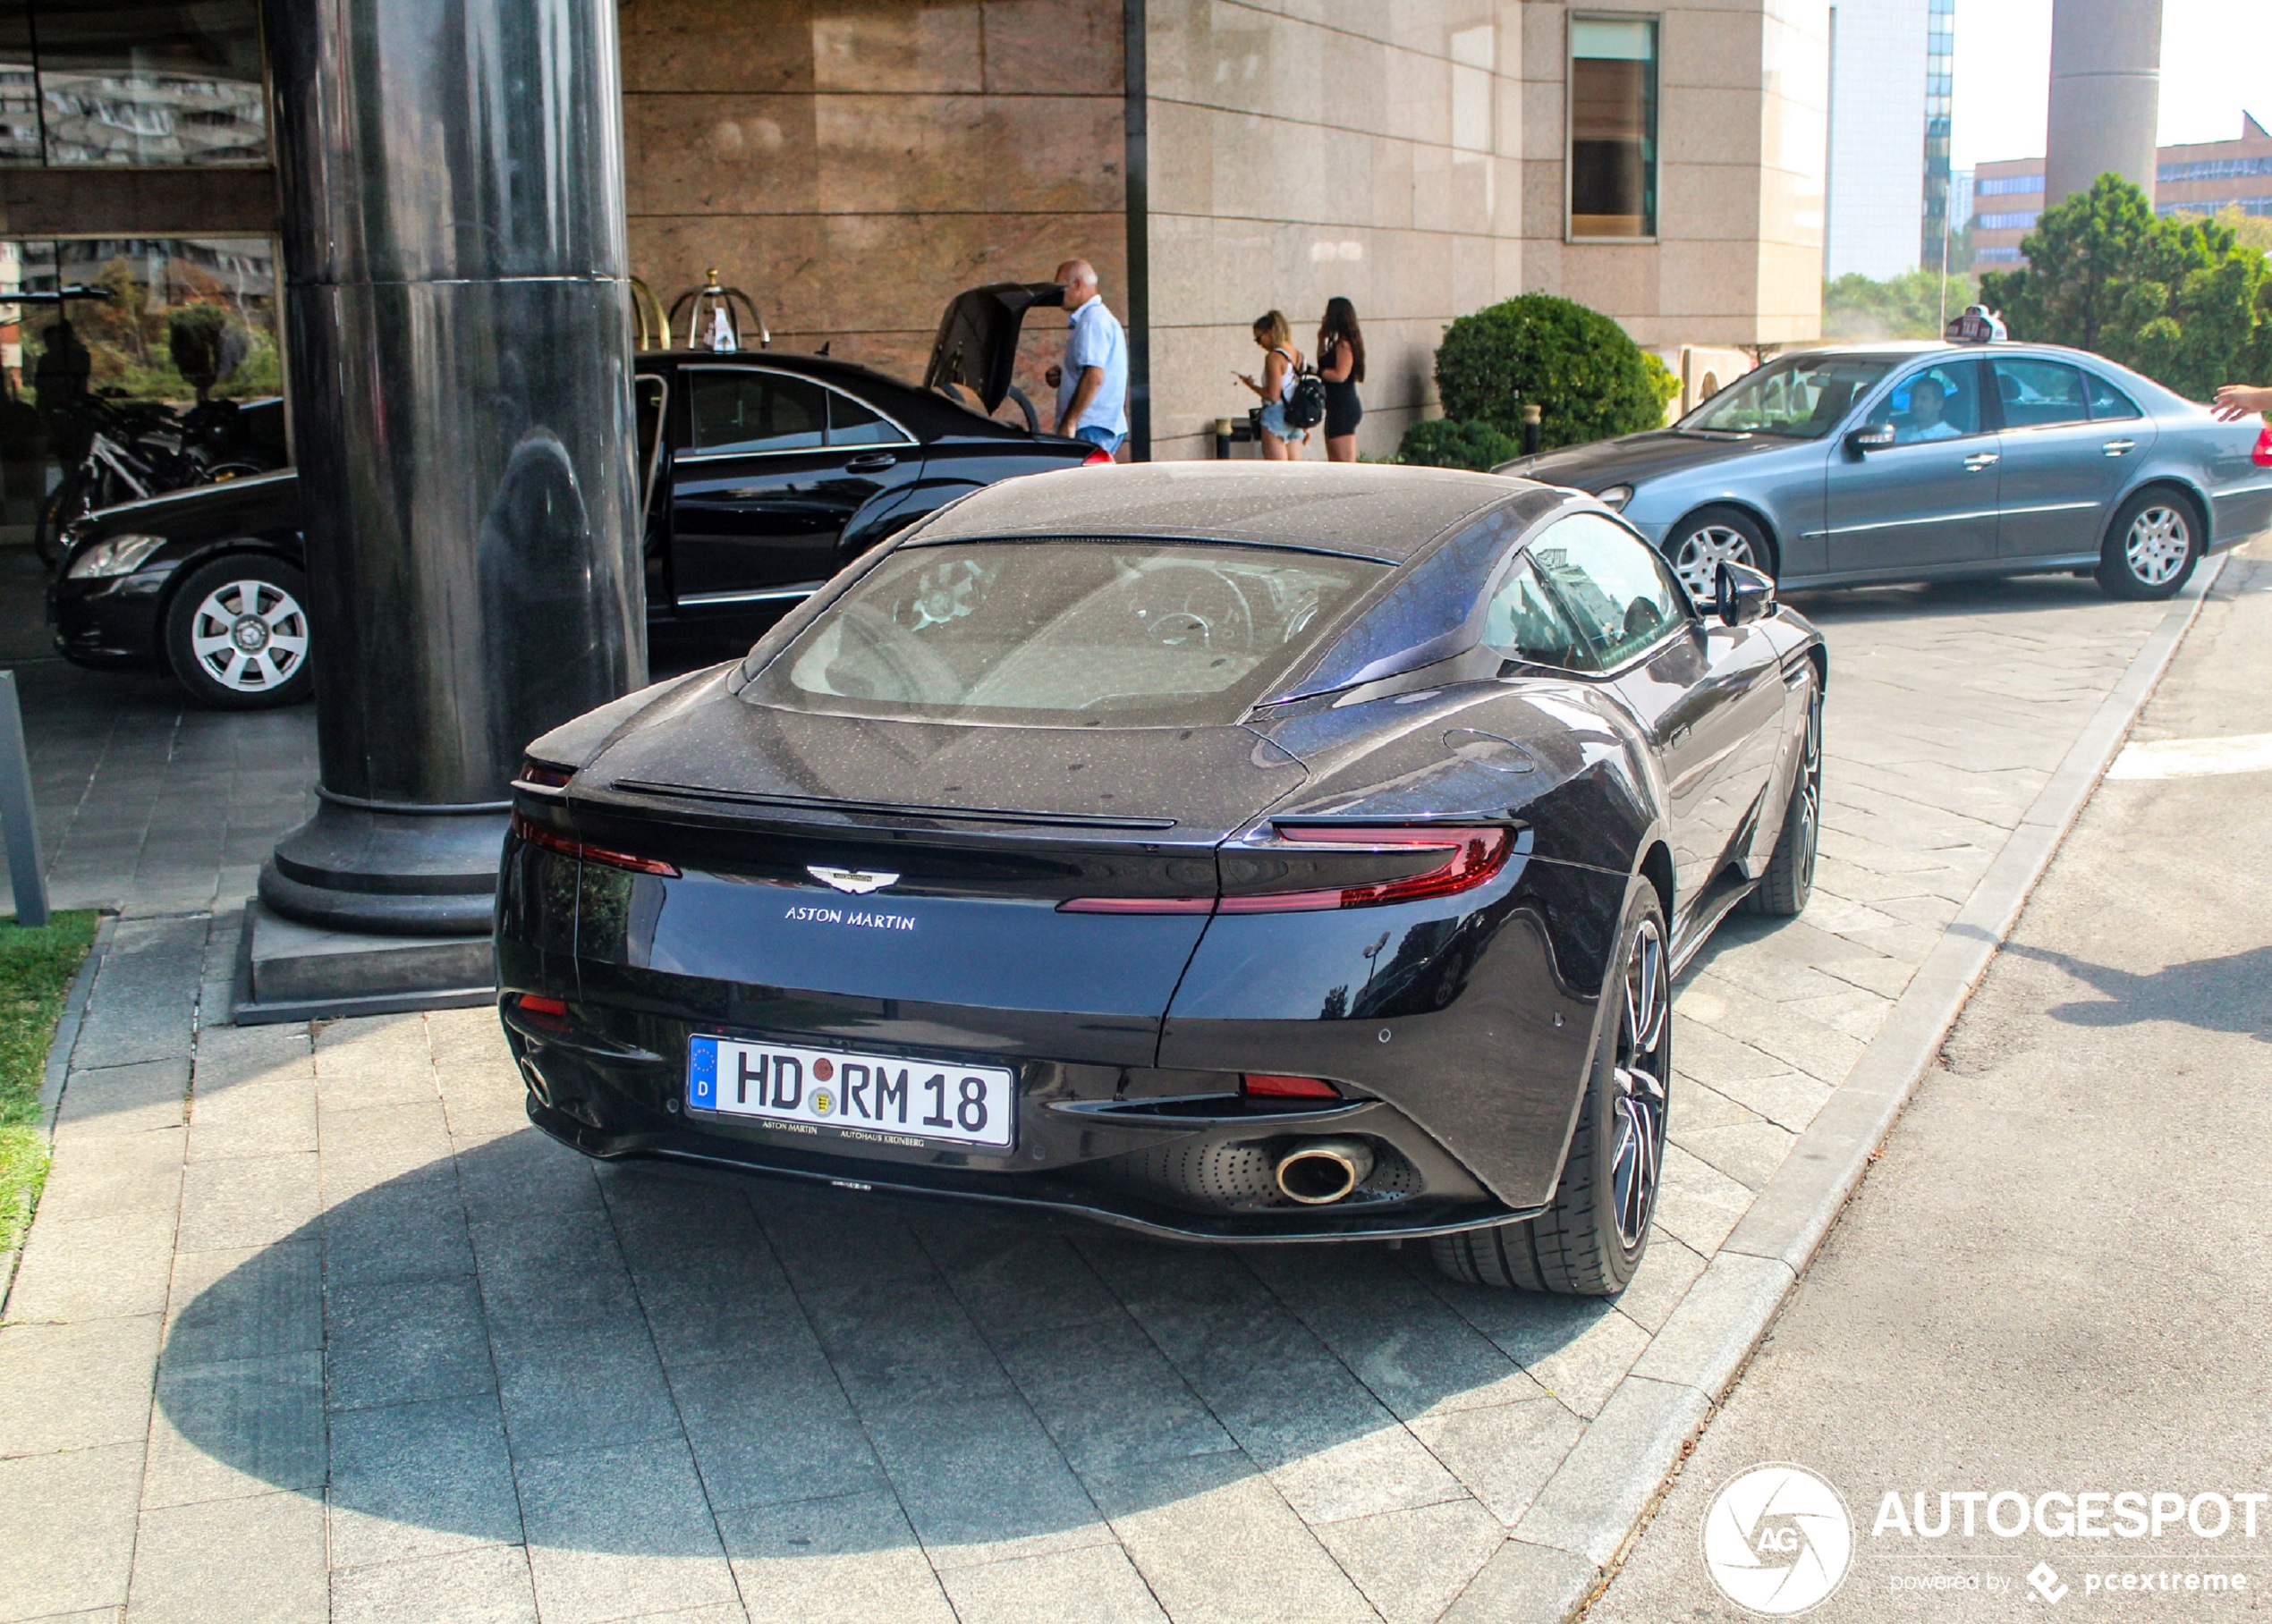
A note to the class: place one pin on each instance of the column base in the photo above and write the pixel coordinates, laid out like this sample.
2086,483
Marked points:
291,971
389,870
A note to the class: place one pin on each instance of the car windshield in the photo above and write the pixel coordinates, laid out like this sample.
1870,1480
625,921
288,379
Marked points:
1801,397
1139,633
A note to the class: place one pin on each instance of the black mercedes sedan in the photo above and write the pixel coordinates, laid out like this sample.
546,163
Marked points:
765,473
1231,853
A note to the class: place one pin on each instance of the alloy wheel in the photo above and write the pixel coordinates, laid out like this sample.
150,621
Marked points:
2159,544
250,635
1809,807
1638,1148
1702,551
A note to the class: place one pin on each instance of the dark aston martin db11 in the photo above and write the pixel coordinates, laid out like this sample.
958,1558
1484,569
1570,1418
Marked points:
1232,853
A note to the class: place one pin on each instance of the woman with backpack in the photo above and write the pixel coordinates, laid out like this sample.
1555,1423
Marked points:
1341,363
1292,399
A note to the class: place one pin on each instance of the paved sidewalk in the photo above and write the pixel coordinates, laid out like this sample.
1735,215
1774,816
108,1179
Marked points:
2053,1279
349,1338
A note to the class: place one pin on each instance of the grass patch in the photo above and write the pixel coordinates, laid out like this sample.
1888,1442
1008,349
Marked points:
36,971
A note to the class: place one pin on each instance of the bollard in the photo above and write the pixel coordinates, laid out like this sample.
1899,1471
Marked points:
1530,416
23,834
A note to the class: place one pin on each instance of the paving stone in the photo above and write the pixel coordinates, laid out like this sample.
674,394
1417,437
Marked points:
774,1432
381,1059
396,1344
1217,1544
76,1386
1698,1203
245,1303
1747,1152
903,1344
849,1559
369,1145
409,1230
267,1116
228,1561
1700,1105
583,1390
524,1174
1789,1099
1107,1397
1011,1280
67,1524
1523,1581
226,1430
1667,1269
412,1481
1592,1498
248,1202
617,1533
1412,1565
94,1268
980,1481
1577,1347
92,1178
98,1102
484,1587
1096,1585
1503,1455
721,1304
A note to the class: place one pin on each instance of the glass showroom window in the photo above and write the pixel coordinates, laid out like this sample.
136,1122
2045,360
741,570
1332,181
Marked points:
1613,127
134,82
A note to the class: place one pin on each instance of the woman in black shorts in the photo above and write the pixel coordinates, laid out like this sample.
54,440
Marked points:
1341,363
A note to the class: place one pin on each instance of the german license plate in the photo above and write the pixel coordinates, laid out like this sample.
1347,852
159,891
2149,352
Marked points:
888,1097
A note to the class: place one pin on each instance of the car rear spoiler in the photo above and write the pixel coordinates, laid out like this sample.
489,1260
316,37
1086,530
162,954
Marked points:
977,347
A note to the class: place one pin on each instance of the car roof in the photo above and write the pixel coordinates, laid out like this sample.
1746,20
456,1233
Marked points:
931,413
1370,510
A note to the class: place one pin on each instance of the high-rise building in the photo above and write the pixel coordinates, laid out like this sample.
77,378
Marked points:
1878,112
1940,63
2199,178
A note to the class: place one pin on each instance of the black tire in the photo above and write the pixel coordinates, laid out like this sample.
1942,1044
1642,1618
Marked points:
224,662
1591,1240
2151,547
1701,543
1783,890
57,510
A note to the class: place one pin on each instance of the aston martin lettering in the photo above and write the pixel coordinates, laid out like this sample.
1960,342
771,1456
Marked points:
859,881
892,1099
805,913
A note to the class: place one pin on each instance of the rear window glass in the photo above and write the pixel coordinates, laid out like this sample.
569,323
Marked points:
1131,633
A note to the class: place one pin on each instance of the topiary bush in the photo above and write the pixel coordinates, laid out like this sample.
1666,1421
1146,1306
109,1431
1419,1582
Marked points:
1576,365
1443,443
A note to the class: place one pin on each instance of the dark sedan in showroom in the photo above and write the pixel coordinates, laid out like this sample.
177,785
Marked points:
1239,854
765,471
1868,464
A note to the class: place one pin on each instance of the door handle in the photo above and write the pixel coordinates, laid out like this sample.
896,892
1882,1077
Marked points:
871,462
2115,448
1980,459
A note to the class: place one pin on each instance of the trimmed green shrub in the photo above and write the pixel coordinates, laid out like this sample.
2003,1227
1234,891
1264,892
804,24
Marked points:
1589,380
1442,443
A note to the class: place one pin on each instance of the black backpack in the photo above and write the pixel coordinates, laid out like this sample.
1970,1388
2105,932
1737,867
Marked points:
1306,406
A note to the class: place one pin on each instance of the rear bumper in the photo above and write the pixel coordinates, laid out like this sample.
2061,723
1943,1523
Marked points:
1078,1154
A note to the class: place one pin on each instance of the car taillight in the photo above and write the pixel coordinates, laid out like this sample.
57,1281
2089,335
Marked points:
1471,856
538,1005
547,839
1099,458
545,775
1269,1085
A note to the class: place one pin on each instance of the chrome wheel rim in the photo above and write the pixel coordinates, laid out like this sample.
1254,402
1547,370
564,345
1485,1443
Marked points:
250,636
1644,1030
1703,551
2157,545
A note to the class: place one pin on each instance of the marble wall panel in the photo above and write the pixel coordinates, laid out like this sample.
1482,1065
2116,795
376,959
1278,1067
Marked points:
1053,47
703,45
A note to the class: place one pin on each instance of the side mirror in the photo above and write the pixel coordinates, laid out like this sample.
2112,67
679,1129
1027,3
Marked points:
1742,595
1876,438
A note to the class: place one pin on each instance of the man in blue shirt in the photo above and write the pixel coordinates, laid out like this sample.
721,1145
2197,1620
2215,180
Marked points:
1092,385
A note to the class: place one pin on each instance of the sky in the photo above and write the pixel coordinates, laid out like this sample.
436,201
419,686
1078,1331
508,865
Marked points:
2217,60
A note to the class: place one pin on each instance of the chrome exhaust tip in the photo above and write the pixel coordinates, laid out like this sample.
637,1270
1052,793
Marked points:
1319,1172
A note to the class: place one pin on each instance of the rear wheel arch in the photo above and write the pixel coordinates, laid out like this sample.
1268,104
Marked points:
1656,866
2163,485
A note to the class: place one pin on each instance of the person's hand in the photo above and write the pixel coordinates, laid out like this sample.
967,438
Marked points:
1054,377
2237,401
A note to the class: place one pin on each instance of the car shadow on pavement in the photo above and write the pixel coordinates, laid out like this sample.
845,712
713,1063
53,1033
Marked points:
512,1343
2232,993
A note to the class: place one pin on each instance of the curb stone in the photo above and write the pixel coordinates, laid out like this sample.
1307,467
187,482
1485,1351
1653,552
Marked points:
57,1068
1600,1497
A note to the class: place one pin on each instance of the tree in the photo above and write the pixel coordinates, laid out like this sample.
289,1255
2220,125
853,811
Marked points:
1907,306
1588,378
2180,300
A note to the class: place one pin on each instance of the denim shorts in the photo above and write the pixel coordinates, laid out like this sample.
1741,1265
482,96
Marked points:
1104,439
1274,419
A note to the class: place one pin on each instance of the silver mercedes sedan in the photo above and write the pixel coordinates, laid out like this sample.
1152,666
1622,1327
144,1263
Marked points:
1858,464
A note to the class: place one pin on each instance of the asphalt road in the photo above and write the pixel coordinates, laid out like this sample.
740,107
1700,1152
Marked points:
2053,1281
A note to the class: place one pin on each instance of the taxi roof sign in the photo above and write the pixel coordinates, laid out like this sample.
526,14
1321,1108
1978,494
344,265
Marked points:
1978,326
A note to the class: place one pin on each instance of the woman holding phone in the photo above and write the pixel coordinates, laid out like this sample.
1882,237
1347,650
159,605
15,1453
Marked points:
1280,368
1341,363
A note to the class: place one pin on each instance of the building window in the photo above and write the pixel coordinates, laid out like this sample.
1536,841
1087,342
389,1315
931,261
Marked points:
1613,127
131,82
2005,185
2020,222
1940,61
